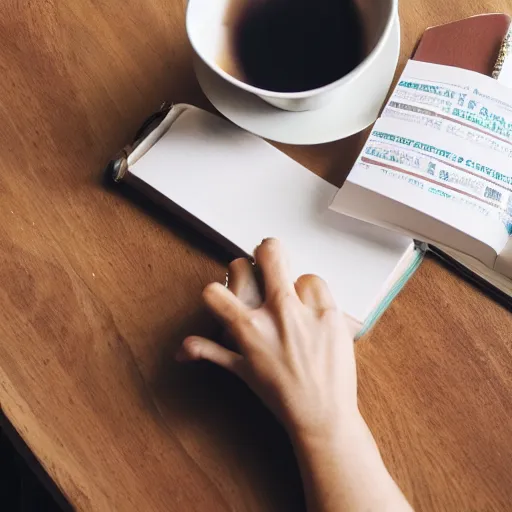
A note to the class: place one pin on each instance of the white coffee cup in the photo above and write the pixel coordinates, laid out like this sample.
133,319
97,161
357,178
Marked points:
208,29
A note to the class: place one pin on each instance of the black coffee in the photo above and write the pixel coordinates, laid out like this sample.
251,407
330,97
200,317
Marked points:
296,45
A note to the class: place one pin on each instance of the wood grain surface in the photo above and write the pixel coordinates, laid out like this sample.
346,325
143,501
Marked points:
97,290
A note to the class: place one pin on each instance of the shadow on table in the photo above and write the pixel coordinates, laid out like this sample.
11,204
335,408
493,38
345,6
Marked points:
221,414
24,485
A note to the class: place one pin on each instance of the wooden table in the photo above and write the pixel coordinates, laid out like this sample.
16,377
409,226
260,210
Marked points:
97,291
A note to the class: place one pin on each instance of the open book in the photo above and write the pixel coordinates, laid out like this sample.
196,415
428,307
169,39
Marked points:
238,189
438,167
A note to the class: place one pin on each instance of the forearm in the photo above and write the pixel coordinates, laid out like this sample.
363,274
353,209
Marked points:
296,351
343,471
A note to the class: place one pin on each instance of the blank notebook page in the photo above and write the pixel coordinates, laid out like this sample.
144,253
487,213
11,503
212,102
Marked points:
246,190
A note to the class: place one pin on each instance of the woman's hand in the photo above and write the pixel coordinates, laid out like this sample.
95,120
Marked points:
294,349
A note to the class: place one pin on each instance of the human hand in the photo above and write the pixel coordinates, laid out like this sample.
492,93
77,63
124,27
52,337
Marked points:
294,349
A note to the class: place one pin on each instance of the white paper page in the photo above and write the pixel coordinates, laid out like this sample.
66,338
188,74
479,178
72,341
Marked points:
456,102
247,190
447,178
439,98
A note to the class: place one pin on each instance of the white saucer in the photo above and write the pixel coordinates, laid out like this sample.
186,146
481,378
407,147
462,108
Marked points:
351,112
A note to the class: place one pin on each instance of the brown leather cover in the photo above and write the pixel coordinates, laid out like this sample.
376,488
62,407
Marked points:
473,43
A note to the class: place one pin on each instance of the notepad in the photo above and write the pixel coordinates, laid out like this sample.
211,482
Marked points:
240,190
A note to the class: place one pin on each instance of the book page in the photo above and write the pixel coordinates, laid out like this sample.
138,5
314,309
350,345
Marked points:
503,263
445,148
448,179
440,98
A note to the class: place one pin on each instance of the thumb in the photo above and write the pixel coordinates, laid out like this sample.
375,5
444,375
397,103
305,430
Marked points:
197,348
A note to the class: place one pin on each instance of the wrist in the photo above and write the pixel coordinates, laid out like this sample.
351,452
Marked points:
342,442
346,429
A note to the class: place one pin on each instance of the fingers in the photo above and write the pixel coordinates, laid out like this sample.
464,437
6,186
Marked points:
314,292
243,284
224,304
196,348
271,259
